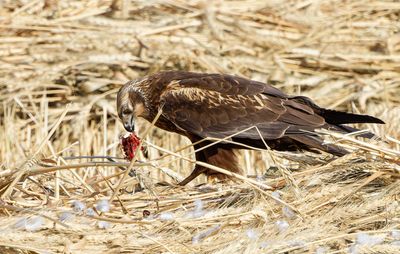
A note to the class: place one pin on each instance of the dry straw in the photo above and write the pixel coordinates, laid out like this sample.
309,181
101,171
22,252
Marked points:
61,165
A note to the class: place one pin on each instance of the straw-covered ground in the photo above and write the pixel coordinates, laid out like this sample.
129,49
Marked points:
61,63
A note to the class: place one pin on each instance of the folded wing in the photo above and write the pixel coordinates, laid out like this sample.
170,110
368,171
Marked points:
216,111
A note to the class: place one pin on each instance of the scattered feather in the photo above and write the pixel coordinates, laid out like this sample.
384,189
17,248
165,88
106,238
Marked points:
78,206
66,217
166,216
103,224
282,225
276,194
260,178
321,250
90,212
34,223
30,224
353,249
103,206
252,234
149,218
287,212
198,205
200,236
369,240
21,223
297,243
395,234
314,182
198,210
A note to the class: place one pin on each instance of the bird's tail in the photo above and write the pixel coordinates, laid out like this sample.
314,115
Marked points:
335,120
337,117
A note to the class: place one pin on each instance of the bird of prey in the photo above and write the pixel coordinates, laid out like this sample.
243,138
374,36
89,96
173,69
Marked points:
206,106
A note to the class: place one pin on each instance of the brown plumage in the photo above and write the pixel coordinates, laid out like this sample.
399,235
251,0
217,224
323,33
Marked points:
199,105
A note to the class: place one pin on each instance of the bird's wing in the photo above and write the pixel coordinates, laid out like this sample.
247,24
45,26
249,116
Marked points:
227,84
219,112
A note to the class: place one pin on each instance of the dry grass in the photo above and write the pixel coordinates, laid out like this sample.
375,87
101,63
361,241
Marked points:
61,63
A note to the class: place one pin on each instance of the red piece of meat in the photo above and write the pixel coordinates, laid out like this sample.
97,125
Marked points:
130,144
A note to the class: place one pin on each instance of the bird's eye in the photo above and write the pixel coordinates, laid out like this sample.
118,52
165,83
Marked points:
126,112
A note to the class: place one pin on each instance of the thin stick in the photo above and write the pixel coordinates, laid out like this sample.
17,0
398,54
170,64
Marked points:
57,183
42,170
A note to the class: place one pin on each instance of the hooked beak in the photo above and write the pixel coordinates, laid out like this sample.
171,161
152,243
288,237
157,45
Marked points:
130,125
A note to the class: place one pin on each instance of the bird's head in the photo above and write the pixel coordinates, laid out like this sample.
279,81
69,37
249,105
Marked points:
130,105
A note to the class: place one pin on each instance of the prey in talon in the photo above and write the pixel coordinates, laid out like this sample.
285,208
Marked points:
130,143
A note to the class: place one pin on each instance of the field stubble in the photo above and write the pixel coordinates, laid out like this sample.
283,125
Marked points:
61,63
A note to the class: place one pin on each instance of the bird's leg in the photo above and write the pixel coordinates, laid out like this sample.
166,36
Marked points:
198,170
224,158
220,157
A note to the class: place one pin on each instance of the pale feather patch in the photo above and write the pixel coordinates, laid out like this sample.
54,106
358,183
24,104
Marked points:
263,96
260,102
193,93
173,86
139,110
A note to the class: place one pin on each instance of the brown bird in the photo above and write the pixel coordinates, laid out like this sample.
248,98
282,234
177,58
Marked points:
200,105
